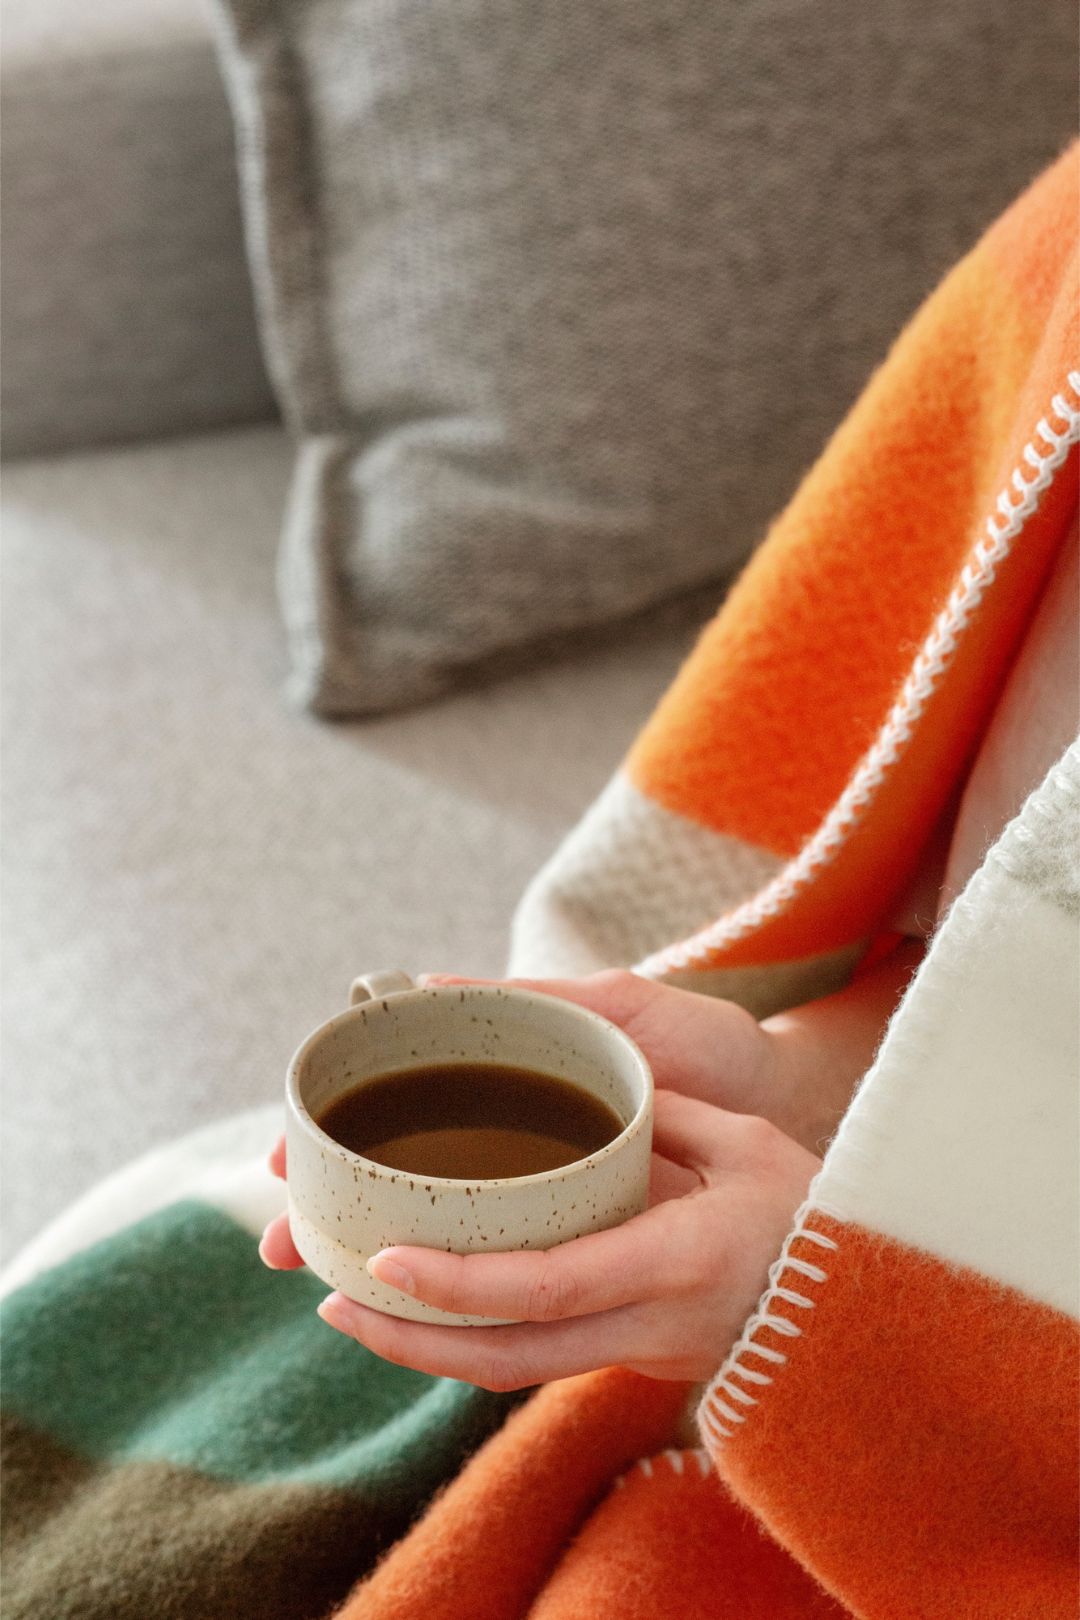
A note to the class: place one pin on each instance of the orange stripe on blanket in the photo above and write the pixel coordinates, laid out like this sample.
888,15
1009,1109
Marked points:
853,892
1025,241
487,1545
773,715
792,679
543,1523
670,1544
970,1513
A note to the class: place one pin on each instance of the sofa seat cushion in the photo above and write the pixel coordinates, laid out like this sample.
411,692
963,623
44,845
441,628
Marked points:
194,871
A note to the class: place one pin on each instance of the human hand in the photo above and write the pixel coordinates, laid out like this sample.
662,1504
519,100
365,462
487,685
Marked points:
702,1047
705,1048
664,1294
797,1069
699,1045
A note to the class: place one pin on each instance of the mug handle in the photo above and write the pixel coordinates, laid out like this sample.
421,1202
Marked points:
374,986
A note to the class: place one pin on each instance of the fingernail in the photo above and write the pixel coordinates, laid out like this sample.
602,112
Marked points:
391,1273
335,1310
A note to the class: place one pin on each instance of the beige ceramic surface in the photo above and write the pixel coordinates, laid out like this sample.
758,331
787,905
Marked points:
344,1208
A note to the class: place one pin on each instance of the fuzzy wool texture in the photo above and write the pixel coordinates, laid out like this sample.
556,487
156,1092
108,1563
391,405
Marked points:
936,1257
910,1452
908,1437
184,1438
860,599
487,1547
935,1415
663,1538
86,1541
670,1541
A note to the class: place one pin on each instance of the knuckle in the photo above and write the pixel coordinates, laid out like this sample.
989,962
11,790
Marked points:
624,995
455,1296
552,1293
614,979
501,1374
695,1269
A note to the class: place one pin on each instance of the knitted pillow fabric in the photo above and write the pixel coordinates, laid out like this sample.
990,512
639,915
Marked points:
562,299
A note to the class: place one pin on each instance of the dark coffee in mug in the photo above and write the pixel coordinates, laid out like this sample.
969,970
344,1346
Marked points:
470,1121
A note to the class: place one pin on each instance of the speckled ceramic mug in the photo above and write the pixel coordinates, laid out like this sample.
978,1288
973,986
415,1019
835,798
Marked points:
344,1208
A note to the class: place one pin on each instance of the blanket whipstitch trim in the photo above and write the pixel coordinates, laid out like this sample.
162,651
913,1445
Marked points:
721,1403
676,1462
1002,528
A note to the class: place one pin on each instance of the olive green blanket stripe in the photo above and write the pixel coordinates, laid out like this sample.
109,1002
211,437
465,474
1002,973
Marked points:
170,1342
150,1541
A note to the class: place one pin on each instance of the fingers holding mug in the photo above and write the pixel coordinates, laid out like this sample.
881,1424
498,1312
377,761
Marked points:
533,1120
276,1247
276,1161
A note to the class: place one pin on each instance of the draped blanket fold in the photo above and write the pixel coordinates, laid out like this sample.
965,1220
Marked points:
893,1435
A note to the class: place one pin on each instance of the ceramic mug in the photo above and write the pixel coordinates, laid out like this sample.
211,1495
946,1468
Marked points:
344,1208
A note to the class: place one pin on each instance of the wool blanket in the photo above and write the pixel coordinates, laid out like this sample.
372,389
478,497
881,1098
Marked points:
892,1435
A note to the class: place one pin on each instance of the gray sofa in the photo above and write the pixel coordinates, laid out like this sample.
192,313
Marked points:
194,871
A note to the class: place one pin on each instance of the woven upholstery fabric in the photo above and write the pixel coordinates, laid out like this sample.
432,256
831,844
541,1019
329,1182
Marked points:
192,873
127,308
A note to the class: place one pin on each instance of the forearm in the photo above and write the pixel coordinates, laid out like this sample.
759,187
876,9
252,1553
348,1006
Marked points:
821,1051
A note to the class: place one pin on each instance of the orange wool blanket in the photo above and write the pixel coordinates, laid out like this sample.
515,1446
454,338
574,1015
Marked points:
892,1435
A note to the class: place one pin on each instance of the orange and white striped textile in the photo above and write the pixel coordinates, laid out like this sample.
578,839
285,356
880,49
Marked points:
893,1436
776,804
916,1353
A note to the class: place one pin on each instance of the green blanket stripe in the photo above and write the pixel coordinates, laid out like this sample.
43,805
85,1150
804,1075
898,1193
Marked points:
171,1342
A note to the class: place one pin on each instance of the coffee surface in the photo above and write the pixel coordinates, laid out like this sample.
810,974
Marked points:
470,1121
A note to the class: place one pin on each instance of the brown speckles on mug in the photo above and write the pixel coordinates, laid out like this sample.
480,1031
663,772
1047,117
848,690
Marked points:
344,1208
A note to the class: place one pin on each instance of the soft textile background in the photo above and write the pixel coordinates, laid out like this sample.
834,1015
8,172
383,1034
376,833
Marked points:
192,874
127,308
563,298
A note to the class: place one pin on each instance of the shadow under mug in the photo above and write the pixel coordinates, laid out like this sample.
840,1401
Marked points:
344,1208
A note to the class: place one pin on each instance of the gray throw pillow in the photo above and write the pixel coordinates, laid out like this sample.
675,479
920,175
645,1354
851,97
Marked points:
562,297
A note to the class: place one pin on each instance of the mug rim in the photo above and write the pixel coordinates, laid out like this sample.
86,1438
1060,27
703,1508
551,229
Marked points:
323,1140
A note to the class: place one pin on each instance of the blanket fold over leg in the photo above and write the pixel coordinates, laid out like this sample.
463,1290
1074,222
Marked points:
183,1437
488,1544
